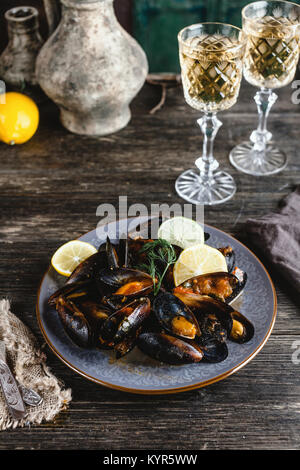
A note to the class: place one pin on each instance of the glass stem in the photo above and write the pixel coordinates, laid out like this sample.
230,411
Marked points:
207,164
264,99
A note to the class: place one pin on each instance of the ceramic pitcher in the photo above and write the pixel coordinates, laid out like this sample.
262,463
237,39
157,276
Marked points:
17,62
91,68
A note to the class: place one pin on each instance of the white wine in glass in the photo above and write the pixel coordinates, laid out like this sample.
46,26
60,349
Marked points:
271,58
211,67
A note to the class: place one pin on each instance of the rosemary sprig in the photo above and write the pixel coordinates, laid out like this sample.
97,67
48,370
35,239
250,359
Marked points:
159,253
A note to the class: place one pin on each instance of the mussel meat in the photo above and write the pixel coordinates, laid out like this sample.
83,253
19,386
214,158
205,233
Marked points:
205,308
242,329
95,313
126,281
174,316
221,285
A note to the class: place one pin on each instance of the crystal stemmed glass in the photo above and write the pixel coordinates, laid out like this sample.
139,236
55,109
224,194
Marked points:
211,67
270,62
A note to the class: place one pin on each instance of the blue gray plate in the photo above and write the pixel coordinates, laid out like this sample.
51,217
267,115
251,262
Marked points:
137,373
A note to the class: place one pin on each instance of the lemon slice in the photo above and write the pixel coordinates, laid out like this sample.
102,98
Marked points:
181,231
196,260
70,255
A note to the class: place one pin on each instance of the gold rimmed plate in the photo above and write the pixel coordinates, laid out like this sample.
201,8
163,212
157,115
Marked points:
136,373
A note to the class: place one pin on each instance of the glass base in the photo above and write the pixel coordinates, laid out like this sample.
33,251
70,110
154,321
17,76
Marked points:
190,187
243,159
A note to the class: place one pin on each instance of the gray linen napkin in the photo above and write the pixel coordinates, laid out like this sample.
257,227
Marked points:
277,235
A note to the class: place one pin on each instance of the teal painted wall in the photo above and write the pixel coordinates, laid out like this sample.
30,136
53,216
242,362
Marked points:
156,24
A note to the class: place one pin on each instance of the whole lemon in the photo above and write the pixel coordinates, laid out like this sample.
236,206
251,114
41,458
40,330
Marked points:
19,118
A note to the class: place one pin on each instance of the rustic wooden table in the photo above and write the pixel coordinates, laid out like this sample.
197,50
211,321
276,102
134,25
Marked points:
50,189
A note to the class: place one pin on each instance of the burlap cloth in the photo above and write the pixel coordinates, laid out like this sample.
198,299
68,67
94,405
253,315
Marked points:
28,364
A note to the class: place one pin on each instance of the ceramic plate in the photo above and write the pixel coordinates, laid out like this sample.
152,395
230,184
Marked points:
137,373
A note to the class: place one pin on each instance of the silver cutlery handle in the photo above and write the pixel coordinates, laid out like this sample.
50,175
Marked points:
11,392
30,397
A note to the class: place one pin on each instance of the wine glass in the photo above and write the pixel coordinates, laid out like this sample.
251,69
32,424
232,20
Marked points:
270,62
211,67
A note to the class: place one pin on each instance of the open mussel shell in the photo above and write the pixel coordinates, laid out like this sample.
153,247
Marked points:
117,254
123,251
206,309
221,285
239,329
82,275
140,311
112,254
115,302
68,290
213,326
86,270
123,323
174,316
168,349
214,350
74,322
95,313
126,281
229,254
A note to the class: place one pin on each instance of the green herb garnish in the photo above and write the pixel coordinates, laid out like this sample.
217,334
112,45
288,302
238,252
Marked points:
160,256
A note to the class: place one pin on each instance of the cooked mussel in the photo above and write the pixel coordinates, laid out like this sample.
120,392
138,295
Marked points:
117,254
214,350
229,254
125,322
241,275
126,281
214,326
127,344
168,349
95,313
112,254
135,315
205,308
86,270
83,274
74,322
242,329
174,316
115,302
221,285
212,314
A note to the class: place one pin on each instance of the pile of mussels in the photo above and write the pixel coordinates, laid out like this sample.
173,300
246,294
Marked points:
110,304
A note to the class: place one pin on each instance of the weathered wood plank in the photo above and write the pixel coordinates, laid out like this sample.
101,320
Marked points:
49,191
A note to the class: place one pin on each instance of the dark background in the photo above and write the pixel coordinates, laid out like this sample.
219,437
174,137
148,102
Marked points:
154,23
122,7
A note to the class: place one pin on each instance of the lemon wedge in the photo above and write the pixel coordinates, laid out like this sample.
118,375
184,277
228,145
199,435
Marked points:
182,232
70,255
196,260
